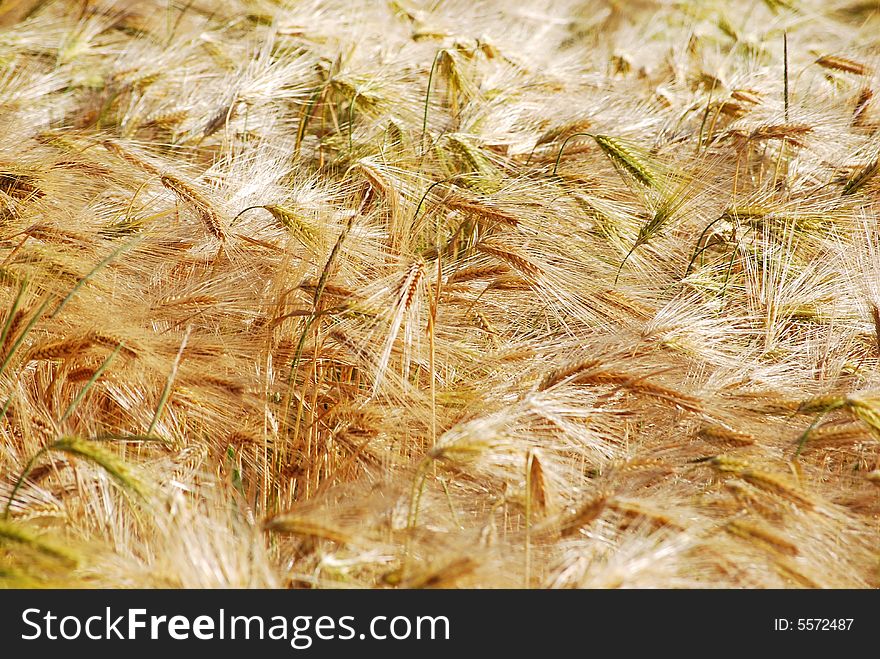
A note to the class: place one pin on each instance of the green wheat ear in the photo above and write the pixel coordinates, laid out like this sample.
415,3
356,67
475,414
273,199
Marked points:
625,156
476,170
628,158
861,177
116,467
297,225
120,470
659,218
15,534
288,218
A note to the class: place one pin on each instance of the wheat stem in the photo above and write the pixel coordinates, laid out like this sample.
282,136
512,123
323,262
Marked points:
562,148
169,383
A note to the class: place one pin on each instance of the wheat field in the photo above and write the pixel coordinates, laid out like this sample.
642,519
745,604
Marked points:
408,294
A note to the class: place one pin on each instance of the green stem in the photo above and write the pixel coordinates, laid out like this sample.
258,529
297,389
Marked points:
82,281
431,187
24,474
564,143
428,96
33,321
785,71
15,306
697,249
82,394
169,384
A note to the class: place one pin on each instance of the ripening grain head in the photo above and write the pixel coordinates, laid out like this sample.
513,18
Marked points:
414,294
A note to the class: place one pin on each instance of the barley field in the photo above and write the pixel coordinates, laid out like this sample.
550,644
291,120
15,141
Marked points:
411,294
